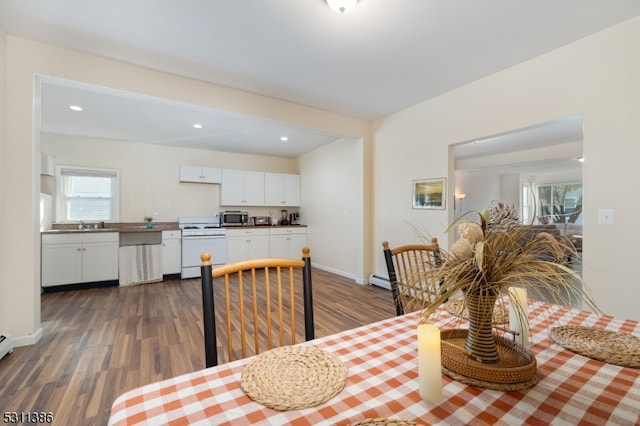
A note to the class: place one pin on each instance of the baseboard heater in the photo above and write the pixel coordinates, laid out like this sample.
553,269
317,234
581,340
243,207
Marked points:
379,281
6,344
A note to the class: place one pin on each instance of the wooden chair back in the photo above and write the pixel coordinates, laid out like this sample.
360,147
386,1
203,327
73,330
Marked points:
261,302
407,266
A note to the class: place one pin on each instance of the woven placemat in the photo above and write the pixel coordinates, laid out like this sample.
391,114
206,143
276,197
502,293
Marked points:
293,377
603,345
457,307
384,422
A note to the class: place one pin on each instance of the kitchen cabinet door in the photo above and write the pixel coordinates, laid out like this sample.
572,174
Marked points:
245,244
242,188
296,243
171,252
281,189
279,246
200,174
99,261
61,264
79,258
287,242
259,247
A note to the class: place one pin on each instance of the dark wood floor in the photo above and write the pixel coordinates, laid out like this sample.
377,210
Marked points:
99,343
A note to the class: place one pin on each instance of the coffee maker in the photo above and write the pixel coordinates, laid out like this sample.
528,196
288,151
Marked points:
284,217
294,218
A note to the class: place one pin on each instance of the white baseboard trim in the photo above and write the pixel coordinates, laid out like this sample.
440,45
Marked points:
341,273
30,339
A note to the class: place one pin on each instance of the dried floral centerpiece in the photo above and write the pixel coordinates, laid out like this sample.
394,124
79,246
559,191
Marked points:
492,255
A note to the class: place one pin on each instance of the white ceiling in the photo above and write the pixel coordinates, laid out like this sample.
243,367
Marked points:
116,115
545,148
380,58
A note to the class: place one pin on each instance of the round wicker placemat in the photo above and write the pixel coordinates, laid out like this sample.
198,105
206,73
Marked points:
293,377
457,307
516,369
384,422
603,345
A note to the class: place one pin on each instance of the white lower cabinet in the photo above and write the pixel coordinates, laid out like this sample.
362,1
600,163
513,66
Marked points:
79,258
171,252
247,243
287,242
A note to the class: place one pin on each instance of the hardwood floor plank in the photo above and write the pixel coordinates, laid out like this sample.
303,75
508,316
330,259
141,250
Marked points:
99,343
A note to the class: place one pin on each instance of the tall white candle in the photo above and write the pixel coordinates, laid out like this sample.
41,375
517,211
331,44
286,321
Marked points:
518,314
429,363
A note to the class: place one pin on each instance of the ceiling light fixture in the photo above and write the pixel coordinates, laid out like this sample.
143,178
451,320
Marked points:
580,158
75,107
342,6
284,138
197,126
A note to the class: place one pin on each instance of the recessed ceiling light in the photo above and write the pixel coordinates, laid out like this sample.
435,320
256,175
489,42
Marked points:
75,107
197,126
284,138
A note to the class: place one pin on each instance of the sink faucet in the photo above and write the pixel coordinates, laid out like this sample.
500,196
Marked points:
82,225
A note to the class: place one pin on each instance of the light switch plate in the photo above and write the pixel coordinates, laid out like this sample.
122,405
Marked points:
605,217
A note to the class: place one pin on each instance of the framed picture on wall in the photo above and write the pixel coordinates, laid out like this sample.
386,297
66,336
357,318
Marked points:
430,193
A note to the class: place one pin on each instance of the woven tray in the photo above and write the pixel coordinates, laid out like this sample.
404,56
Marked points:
516,370
293,377
384,422
603,345
456,307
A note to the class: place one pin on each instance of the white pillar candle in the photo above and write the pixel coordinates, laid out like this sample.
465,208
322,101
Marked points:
429,363
518,314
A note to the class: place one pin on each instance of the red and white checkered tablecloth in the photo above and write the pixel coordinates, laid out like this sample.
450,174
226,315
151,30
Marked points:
383,383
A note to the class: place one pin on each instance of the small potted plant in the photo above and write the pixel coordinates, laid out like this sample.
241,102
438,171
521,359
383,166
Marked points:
149,221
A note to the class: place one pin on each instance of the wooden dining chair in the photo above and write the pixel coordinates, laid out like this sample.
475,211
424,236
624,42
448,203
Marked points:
261,300
407,266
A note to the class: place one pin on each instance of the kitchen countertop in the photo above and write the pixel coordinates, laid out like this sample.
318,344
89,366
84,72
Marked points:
127,227
121,227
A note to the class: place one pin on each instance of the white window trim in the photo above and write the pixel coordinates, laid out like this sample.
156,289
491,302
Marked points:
61,209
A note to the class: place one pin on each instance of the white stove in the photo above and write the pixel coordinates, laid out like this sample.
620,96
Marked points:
196,226
200,235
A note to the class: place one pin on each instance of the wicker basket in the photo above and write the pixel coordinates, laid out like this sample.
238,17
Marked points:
516,368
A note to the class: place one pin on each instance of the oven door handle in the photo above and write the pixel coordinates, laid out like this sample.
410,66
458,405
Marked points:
201,237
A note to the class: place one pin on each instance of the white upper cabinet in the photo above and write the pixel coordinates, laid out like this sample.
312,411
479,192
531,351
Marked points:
281,189
242,188
200,174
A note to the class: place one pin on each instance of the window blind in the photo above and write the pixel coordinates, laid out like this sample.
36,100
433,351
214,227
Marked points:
89,194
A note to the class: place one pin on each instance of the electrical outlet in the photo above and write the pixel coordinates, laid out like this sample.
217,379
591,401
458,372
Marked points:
156,215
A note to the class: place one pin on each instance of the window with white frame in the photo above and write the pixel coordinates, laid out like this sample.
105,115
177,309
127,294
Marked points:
559,202
87,194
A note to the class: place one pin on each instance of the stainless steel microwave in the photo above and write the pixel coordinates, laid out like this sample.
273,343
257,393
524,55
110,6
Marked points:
233,218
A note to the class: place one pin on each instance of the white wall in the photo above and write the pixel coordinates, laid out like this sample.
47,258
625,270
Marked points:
510,189
4,301
480,188
149,174
596,77
24,59
332,197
